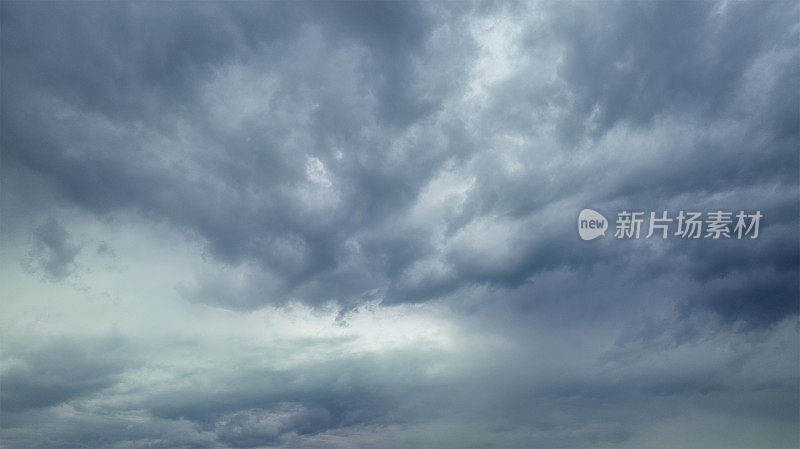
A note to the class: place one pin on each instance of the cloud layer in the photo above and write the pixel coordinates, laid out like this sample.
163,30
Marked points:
353,224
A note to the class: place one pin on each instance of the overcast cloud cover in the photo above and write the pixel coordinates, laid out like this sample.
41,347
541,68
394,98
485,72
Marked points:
353,225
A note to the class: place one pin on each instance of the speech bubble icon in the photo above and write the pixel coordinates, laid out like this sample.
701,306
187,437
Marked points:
591,224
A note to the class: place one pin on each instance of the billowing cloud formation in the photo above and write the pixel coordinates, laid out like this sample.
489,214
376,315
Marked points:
353,224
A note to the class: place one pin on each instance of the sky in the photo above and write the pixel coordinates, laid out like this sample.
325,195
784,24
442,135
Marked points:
354,225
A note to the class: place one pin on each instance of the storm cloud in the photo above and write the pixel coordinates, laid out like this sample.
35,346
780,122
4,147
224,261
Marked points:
352,224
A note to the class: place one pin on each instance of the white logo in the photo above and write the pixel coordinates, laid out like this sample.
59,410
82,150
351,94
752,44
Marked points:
591,224
718,225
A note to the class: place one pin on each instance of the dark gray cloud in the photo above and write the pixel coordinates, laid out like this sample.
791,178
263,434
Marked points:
423,160
112,170
665,58
60,371
240,223
53,252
